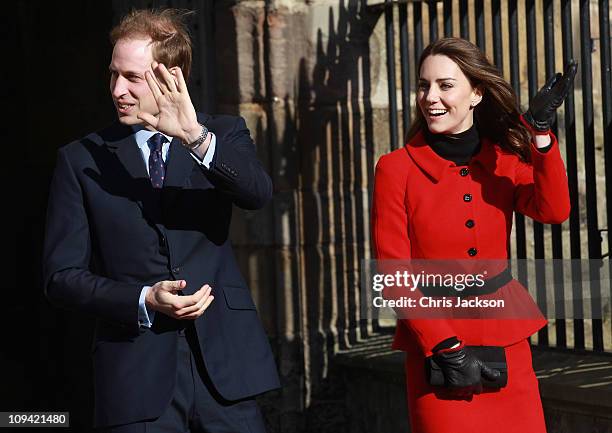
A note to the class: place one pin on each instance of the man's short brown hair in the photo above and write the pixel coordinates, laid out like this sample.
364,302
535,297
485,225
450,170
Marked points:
167,30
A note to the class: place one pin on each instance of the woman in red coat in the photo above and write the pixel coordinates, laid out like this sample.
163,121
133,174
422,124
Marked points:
470,161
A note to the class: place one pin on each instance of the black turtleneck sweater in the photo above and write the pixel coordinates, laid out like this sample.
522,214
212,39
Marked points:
458,148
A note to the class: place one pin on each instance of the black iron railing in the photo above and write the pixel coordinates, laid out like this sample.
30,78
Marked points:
585,137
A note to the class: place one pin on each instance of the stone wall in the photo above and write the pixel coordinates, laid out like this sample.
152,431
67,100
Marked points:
299,72
310,78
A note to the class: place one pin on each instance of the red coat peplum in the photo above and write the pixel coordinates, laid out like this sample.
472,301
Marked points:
422,205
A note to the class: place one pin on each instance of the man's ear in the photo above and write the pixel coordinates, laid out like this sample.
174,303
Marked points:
477,95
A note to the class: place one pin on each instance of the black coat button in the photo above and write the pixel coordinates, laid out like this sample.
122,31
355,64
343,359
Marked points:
464,172
467,197
472,252
176,270
469,224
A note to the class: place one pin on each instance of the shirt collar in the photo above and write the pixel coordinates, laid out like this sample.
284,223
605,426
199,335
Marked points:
435,166
142,135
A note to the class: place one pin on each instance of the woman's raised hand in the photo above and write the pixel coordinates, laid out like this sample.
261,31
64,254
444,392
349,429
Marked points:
543,105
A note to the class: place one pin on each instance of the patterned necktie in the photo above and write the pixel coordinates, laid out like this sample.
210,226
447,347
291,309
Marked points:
157,171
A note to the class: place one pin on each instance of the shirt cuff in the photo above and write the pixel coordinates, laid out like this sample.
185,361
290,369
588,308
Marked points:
145,318
544,149
449,343
210,153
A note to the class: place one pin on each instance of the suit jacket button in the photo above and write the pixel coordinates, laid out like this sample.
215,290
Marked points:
467,197
472,252
176,270
464,172
469,224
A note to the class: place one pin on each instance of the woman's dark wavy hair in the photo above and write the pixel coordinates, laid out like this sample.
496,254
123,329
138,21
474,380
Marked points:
497,114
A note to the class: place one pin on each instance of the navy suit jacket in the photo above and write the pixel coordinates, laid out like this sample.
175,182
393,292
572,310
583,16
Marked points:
109,233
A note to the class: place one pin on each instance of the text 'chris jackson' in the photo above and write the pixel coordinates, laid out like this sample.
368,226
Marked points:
431,302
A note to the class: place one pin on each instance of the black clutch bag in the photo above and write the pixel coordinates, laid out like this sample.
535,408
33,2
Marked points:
493,356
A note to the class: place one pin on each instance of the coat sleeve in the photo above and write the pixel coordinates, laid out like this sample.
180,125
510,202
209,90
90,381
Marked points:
236,171
68,281
542,191
391,242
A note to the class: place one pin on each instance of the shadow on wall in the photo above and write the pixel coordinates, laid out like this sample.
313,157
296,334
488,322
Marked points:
334,160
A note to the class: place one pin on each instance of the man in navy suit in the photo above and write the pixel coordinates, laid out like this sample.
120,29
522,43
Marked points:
137,236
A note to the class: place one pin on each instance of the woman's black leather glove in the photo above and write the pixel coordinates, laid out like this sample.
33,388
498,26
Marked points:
543,105
462,370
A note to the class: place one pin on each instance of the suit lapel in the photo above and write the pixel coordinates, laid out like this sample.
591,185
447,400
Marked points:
140,189
179,166
130,156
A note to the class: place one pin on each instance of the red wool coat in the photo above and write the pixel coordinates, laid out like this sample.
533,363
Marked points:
422,205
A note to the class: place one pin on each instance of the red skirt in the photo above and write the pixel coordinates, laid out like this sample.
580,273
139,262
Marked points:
516,408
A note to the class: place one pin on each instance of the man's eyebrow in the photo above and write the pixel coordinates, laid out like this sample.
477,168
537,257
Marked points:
110,68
